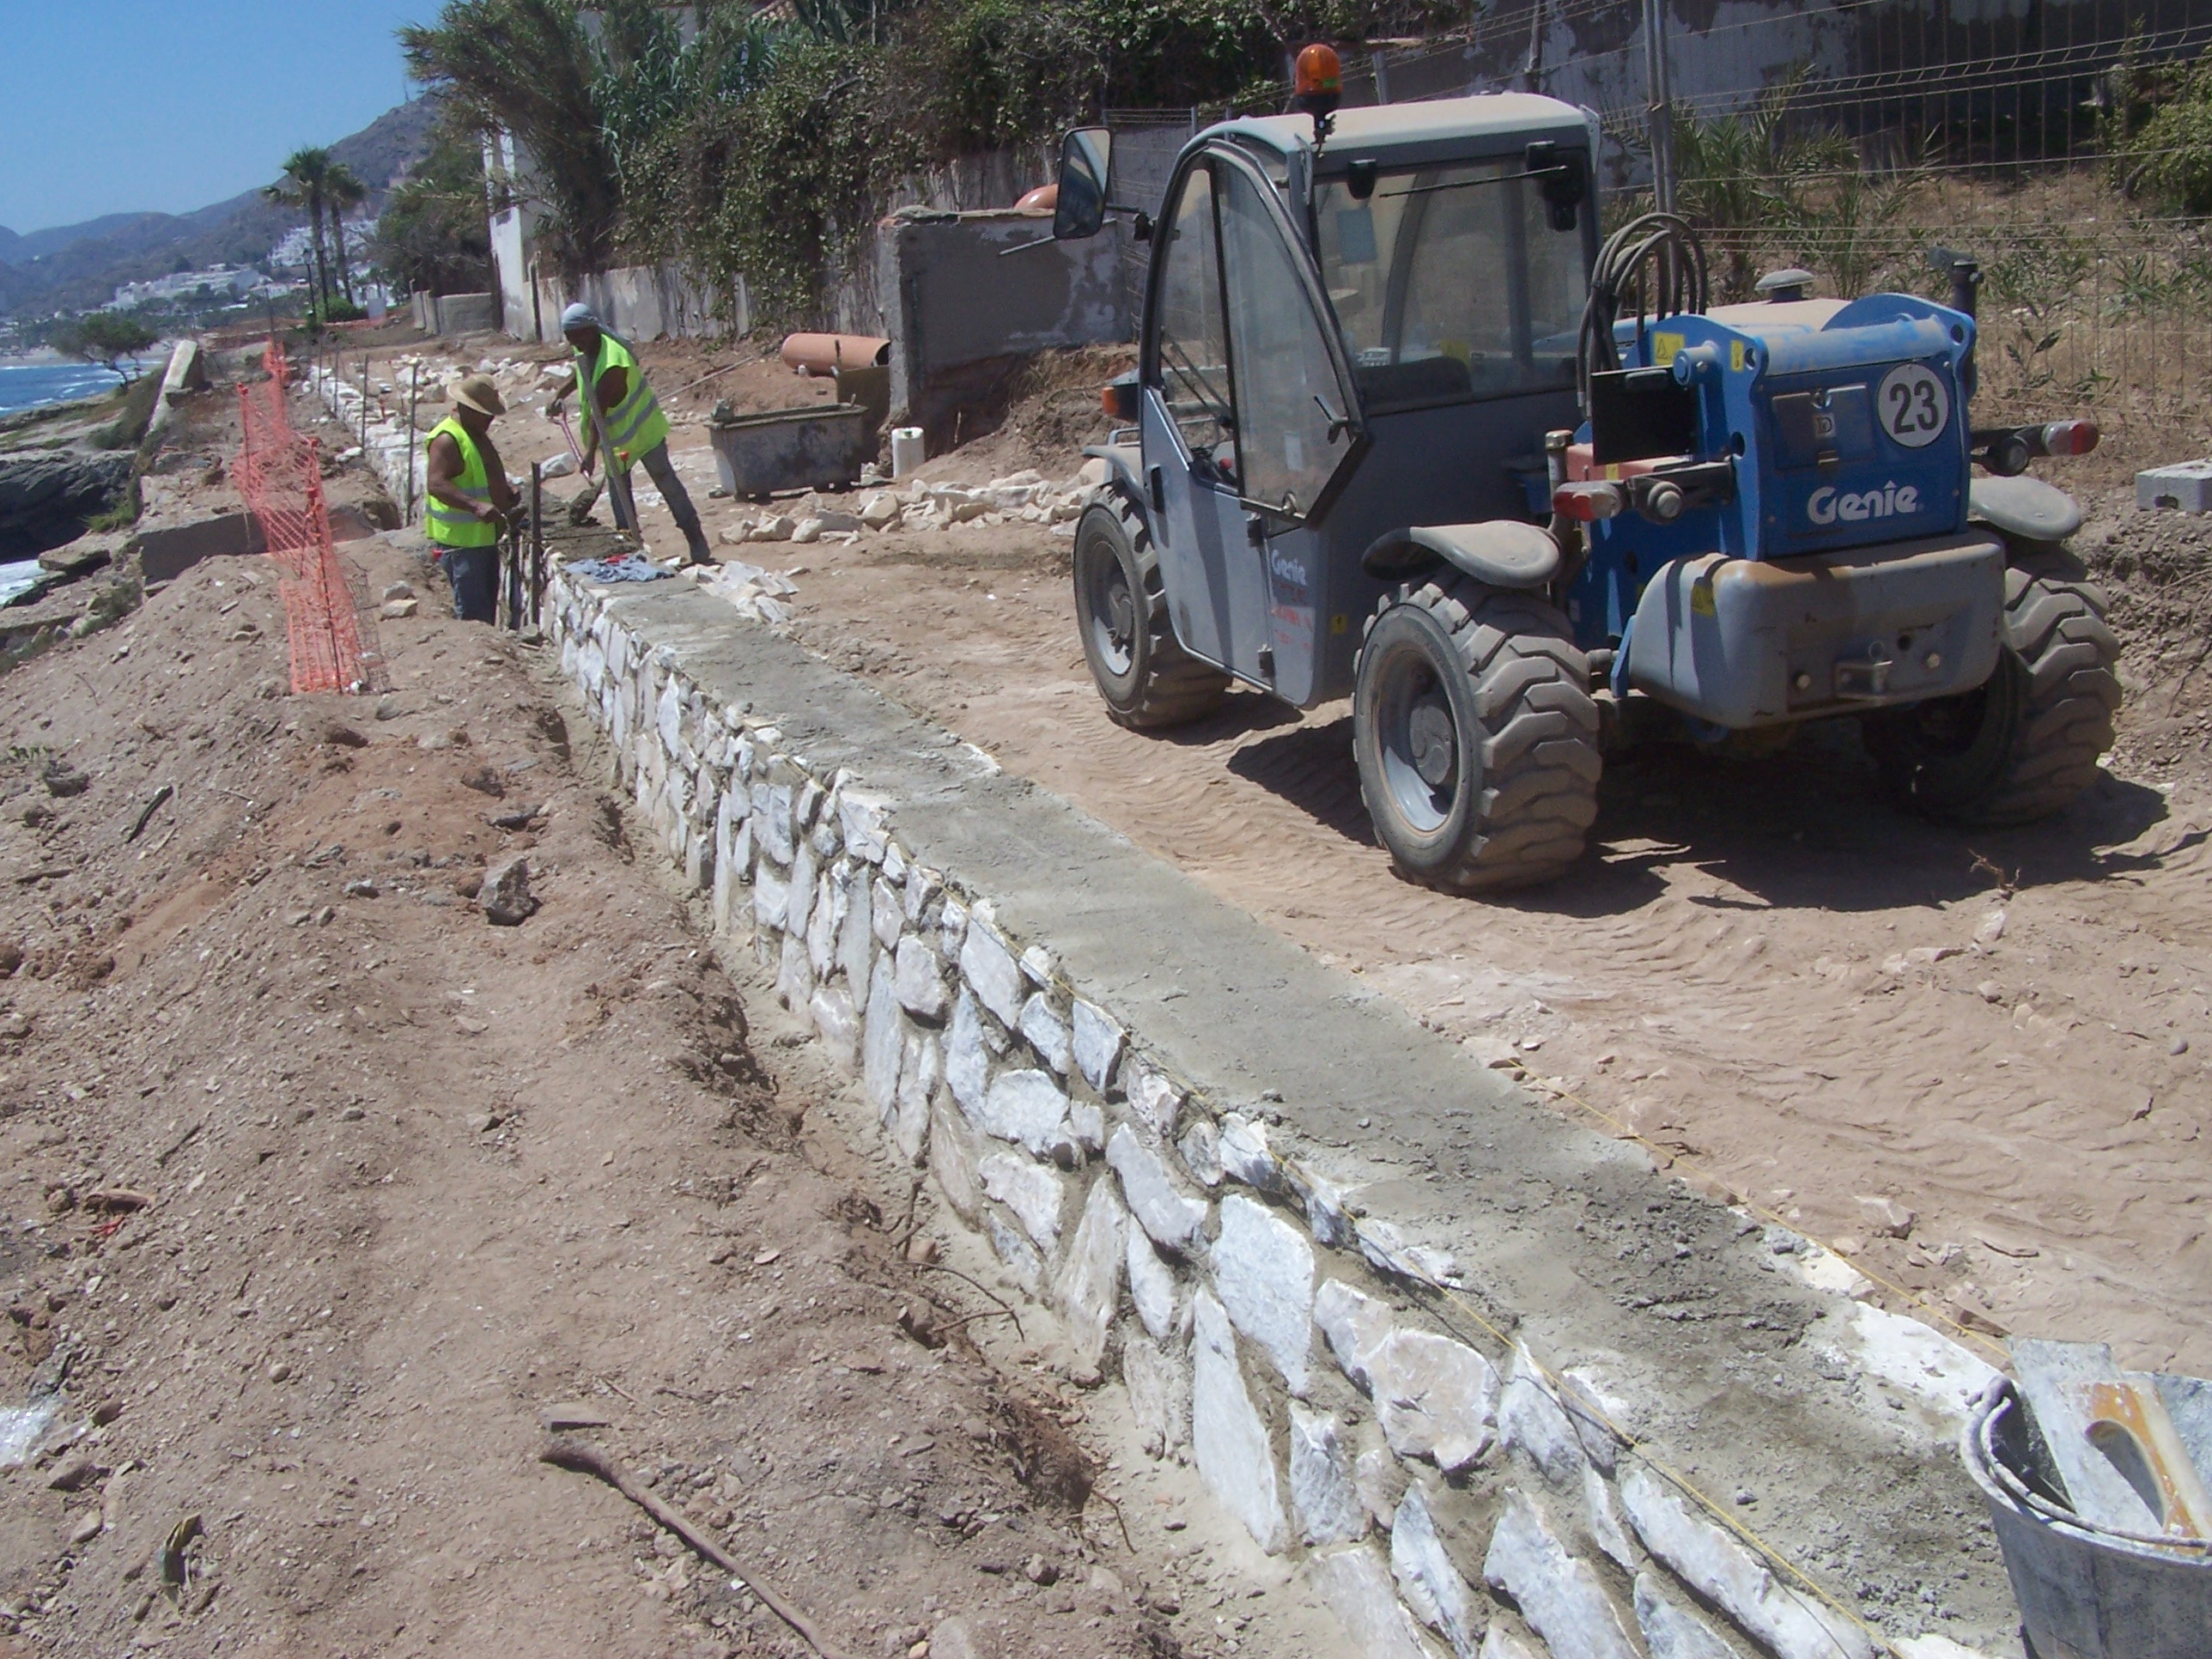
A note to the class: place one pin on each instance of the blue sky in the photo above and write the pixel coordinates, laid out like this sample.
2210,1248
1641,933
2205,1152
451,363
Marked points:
122,105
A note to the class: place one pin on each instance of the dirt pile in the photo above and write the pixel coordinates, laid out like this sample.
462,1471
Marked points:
326,1197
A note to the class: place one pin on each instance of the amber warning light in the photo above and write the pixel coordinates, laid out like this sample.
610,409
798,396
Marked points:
1317,83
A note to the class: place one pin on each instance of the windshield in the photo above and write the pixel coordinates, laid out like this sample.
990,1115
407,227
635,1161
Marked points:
1450,284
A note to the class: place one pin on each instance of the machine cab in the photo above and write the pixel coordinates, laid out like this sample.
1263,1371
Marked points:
1332,332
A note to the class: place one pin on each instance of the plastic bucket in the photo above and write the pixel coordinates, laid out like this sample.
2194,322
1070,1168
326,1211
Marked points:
906,451
2084,1592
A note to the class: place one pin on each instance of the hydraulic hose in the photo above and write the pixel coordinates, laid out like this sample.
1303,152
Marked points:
1658,260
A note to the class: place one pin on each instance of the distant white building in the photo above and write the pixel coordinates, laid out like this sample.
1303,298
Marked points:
297,251
215,282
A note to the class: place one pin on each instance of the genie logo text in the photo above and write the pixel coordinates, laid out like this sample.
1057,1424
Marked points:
1828,505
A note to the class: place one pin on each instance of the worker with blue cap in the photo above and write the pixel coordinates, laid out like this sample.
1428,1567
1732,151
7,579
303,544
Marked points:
636,429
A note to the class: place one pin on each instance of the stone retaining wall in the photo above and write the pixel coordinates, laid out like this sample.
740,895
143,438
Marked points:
1441,1490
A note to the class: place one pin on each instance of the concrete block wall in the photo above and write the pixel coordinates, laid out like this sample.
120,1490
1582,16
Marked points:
1442,1488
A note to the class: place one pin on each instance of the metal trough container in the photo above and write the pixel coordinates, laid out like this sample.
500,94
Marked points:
2085,1592
823,446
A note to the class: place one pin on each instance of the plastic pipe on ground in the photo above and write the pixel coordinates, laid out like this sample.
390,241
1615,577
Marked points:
821,354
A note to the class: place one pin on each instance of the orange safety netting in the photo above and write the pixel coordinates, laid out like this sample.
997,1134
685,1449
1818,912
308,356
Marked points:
279,474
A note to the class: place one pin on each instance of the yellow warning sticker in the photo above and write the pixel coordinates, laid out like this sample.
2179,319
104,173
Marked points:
1663,348
1701,597
1735,356
1340,624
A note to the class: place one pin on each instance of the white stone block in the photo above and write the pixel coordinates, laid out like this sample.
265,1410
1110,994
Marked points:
1028,1107
1435,1398
1018,1255
1228,1439
1326,1215
794,977
806,881
1087,1124
1089,1287
1355,1324
967,1063
952,929
1669,1632
1427,1579
1159,1382
1726,1574
1355,1586
1047,1033
823,924
856,938
883,1046
1324,1500
774,814
1380,1480
920,981
1498,1643
1031,1190
1531,1423
1263,1271
1245,1156
771,893
1096,1043
886,913
1387,1252
861,817
1155,1102
1200,1147
992,972
921,1068
839,1022
1170,1216
1561,1598
1152,1286
955,1150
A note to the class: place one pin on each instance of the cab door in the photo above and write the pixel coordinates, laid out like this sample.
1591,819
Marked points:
1247,425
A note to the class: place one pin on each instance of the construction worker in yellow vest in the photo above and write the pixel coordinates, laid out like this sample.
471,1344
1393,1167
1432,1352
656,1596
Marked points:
467,497
636,429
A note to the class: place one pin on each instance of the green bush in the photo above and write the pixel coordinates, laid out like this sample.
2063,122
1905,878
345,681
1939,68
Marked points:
2176,148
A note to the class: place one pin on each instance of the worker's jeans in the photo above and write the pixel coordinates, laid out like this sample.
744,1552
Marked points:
474,573
663,472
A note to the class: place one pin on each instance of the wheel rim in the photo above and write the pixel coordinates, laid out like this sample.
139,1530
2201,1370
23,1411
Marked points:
1416,740
1113,610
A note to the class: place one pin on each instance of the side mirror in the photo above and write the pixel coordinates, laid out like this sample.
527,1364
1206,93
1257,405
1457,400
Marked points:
1086,161
1561,177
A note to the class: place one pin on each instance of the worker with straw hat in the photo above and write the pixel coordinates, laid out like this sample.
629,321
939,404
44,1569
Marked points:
468,497
636,430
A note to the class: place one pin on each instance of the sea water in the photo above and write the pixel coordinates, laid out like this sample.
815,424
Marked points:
29,385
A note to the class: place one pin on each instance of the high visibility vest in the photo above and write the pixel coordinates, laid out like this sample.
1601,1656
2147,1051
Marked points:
449,526
635,424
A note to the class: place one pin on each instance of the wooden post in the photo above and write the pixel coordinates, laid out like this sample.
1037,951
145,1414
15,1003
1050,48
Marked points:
414,391
536,545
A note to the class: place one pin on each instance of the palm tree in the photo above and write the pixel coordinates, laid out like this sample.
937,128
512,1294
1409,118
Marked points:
305,184
342,188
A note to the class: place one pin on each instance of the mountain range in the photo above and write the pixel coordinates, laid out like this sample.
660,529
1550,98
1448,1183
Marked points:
79,266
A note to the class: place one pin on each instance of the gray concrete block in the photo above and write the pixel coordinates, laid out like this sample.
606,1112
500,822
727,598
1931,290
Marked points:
2186,485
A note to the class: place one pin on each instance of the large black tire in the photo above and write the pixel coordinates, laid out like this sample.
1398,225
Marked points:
1145,677
2027,743
1476,735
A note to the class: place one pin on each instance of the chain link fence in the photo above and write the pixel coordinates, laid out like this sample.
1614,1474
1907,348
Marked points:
1855,136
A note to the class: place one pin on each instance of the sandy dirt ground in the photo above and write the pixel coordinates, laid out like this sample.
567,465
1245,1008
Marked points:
325,1196
1835,1012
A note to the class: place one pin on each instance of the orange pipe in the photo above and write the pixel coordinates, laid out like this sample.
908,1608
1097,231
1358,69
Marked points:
822,353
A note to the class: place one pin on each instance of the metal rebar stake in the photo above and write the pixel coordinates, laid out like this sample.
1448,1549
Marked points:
1662,113
536,544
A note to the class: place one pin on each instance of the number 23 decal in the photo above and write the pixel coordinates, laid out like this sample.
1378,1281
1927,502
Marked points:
1915,406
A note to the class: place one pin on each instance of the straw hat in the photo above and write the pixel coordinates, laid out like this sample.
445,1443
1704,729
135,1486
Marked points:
477,391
